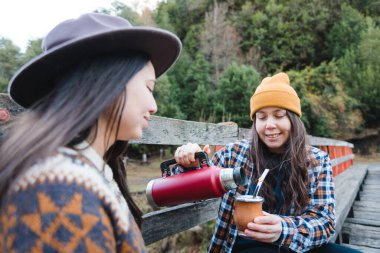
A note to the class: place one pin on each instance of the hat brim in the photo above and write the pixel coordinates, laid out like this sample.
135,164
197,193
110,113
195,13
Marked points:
36,78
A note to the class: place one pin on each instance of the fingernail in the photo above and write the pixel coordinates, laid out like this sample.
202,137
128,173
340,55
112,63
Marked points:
257,219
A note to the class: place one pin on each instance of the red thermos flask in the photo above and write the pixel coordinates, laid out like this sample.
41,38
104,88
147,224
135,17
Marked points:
198,184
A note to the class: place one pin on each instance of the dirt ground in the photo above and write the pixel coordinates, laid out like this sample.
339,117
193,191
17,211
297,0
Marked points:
138,174
367,159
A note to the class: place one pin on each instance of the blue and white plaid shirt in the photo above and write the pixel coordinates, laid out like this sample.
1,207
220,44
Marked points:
300,233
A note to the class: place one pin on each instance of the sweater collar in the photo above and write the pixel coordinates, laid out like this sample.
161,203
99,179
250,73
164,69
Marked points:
85,149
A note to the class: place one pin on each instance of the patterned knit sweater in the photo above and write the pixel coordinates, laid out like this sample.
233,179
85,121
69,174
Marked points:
68,203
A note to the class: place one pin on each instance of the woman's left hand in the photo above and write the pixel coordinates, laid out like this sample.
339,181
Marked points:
266,228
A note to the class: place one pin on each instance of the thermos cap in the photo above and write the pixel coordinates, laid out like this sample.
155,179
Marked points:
249,198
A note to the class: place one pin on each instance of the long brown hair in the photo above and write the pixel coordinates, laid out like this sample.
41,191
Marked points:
293,164
67,115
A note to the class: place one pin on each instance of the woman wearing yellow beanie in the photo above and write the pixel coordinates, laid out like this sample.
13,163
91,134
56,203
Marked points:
298,190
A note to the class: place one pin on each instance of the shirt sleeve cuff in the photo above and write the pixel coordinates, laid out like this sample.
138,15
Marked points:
287,232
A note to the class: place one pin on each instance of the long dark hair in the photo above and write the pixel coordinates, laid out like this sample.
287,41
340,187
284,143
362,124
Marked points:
67,115
293,164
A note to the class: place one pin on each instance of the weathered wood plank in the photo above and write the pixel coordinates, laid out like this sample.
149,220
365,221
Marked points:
371,187
360,214
367,204
370,196
362,235
374,168
167,131
362,248
160,224
372,230
374,180
342,159
350,175
364,221
347,187
365,209
320,141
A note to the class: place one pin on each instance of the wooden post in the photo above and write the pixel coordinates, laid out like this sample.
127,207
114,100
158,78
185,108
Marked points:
227,123
144,158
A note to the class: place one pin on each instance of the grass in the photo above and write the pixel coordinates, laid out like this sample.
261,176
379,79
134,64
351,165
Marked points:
138,174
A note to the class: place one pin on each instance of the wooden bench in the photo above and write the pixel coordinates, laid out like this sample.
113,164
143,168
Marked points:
347,187
166,131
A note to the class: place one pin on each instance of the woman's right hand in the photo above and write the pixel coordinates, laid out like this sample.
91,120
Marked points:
185,154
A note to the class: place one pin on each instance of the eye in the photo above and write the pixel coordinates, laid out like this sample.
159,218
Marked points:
150,85
150,89
260,116
280,116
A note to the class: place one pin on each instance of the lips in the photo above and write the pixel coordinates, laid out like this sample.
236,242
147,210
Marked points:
272,136
146,121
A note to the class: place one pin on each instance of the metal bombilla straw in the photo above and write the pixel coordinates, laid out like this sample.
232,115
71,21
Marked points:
258,186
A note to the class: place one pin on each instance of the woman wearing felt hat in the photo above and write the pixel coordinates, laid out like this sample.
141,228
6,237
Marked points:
62,180
298,191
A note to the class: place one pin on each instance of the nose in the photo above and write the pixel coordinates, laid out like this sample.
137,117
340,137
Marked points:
153,107
270,124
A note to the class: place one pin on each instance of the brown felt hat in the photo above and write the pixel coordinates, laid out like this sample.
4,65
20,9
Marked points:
90,35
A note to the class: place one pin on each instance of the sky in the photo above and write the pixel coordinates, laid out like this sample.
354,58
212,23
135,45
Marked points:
22,20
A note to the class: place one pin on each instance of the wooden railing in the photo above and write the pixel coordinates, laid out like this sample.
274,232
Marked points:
158,225
166,131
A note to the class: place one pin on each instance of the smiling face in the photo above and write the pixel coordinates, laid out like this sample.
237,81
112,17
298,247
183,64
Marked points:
139,105
273,128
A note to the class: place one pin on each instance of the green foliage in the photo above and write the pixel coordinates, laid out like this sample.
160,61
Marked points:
165,92
288,35
234,90
9,62
181,14
192,40
345,34
201,103
330,49
127,13
368,7
327,109
162,15
32,50
360,70
196,89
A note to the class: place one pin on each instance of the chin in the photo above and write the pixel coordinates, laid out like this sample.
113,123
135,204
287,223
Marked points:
134,136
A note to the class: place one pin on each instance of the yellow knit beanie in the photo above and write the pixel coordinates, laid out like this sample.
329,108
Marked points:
275,91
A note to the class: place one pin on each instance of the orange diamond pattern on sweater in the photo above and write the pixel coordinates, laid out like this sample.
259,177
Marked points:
8,221
59,214
61,222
